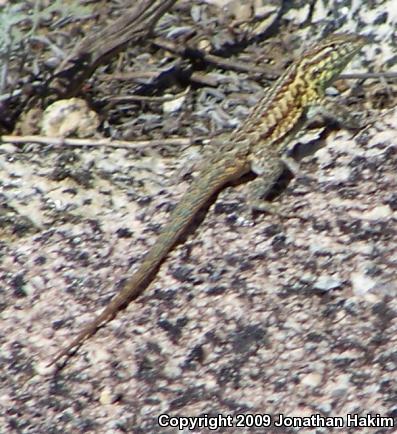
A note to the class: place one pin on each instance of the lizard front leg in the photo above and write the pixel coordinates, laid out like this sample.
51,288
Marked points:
334,110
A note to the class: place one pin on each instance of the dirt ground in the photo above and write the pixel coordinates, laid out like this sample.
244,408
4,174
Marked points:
292,319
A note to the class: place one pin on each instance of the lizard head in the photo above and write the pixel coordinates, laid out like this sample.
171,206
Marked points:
324,62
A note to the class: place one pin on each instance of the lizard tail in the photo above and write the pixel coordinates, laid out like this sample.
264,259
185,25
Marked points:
197,196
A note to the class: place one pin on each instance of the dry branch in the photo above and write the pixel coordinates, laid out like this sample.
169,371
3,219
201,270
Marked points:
136,23
61,141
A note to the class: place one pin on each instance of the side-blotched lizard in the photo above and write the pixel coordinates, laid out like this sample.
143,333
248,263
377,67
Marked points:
257,146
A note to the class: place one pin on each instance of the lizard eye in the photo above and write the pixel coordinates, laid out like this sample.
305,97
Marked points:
316,71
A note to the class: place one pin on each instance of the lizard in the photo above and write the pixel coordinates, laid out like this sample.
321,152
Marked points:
257,146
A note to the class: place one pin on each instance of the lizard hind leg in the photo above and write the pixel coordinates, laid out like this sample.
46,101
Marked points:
259,188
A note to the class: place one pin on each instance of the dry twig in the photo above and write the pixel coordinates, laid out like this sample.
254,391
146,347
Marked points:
61,141
216,60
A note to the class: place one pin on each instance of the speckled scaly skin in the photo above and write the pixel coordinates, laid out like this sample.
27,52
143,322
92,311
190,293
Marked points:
256,146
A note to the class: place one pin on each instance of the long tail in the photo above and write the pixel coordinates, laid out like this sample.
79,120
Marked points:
198,195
